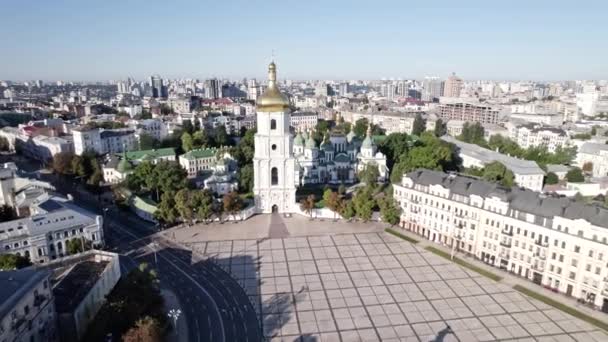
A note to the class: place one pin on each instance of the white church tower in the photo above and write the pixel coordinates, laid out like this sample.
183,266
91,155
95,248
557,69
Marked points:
273,163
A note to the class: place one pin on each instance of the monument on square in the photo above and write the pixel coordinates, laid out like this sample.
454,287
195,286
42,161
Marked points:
273,162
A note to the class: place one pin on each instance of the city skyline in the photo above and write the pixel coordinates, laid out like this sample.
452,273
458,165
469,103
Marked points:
68,41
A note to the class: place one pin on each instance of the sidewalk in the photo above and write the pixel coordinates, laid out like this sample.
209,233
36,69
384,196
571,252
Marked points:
179,334
509,279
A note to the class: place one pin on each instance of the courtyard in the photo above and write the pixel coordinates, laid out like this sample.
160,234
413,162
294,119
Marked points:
371,286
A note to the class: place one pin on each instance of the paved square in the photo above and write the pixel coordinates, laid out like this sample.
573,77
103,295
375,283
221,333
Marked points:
374,286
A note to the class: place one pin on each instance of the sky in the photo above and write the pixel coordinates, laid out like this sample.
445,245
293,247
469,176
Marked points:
491,39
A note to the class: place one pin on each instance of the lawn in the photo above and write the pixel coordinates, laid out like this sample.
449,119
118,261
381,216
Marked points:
563,307
463,263
399,235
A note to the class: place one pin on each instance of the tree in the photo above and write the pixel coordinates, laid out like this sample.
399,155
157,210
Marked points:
187,142
364,203
575,175
201,139
4,144
419,125
202,202
473,134
441,128
10,262
7,213
165,109
218,210
341,190
147,142
498,172
232,203
389,210
221,136
551,178
78,245
166,211
360,128
146,329
183,205
588,167
62,163
332,201
394,146
369,174
245,176
187,127
308,204
321,129
348,210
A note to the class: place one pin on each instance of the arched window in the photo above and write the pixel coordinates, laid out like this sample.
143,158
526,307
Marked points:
274,176
273,124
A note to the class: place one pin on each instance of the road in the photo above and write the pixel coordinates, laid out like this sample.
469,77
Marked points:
215,306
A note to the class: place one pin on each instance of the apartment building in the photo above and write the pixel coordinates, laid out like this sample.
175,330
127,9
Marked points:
597,155
471,112
554,242
103,141
391,122
33,145
303,121
53,221
197,161
27,306
534,135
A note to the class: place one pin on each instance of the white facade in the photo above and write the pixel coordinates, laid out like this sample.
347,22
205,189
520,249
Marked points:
532,135
551,241
43,235
273,162
27,306
597,155
391,122
103,141
304,120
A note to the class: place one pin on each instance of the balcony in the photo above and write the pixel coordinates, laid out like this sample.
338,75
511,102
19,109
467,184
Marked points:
537,267
39,300
505,244
540,256
507,232
505,256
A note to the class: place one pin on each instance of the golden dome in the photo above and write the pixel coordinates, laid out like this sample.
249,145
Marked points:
272,100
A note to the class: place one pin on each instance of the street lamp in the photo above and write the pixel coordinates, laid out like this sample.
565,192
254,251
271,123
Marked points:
153,245
174,315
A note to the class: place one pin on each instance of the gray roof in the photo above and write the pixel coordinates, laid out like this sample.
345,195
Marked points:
518,166
519,199
556,168
593,148
15,285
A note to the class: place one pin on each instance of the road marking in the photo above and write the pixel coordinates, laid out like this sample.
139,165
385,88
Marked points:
223,337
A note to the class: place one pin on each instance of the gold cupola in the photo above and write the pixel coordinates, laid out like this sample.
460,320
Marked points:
272,100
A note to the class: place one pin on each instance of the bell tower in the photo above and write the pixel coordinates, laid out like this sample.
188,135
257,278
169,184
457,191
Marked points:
273,163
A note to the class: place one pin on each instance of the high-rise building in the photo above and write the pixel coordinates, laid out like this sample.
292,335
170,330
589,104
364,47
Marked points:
158,89
431,89
452,86
253,91
388,91
213,89
343,89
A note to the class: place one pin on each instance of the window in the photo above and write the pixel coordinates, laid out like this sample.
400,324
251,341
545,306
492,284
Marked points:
274,147
273,124
274,176
577,249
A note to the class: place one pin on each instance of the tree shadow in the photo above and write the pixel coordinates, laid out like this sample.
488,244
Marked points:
235,285
443,333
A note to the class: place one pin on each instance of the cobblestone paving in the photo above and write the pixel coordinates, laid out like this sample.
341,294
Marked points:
374,286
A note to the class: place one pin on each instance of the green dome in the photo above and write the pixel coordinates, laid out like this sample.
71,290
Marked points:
310,143
298,140
305,135
124,166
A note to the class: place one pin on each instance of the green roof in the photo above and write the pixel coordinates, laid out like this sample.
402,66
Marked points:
379,138
144,204
341,158
151,154
200,153
124,166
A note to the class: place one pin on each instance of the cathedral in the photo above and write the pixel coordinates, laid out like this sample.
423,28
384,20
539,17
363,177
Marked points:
281,162
337,160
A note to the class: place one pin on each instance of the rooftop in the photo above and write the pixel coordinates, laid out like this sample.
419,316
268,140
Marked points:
519,199
518,166
15,285
199,153
73,287
153,154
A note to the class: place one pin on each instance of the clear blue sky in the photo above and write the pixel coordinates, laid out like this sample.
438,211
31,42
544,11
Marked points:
104,39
